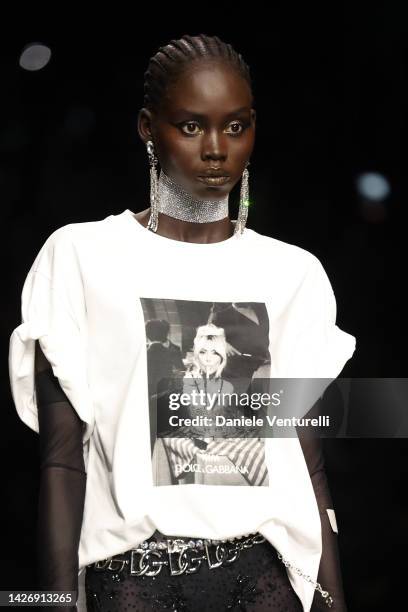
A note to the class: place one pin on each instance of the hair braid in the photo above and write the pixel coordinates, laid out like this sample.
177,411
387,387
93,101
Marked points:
170,61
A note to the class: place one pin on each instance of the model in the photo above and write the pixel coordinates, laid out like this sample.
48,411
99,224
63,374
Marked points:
83,373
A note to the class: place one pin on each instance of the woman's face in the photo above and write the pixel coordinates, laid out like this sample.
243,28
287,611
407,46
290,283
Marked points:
209,359
205,121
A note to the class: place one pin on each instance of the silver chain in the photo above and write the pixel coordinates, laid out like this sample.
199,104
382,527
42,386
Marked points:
318,587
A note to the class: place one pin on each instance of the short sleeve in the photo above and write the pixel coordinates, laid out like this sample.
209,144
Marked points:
307,341
54,312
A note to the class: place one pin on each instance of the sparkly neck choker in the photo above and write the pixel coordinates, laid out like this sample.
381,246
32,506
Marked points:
175,202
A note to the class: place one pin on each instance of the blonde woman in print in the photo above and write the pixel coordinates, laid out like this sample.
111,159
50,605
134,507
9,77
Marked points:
204,375
211,454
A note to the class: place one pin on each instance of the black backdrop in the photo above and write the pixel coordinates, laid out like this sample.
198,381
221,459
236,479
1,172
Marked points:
330,93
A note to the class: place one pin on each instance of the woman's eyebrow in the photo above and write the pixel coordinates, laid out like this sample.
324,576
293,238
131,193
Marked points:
182,111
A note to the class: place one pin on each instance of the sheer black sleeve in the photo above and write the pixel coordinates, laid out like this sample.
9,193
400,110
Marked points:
62,484
329,575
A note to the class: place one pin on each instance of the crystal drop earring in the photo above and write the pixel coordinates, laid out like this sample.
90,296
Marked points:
243,202
154,187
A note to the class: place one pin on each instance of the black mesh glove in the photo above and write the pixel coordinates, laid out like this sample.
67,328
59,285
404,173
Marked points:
329,575
62,485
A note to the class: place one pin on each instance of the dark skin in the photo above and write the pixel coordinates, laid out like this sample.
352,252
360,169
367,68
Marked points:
186,145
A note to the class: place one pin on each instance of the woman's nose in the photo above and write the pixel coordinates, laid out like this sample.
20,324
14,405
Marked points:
214,146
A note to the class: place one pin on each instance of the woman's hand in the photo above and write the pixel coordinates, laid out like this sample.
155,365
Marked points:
231,350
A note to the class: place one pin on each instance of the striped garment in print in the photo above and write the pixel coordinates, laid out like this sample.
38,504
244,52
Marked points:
246,454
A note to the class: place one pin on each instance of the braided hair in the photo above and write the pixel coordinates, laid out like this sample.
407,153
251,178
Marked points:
171,60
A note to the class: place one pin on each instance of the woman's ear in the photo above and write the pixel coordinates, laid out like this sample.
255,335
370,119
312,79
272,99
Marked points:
144,124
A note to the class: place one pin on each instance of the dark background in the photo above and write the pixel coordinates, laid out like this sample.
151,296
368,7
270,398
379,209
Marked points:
331,95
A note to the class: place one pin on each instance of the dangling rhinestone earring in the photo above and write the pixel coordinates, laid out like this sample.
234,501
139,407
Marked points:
243,203
154,188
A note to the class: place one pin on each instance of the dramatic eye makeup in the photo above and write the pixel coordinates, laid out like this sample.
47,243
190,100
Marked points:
191,123
194,130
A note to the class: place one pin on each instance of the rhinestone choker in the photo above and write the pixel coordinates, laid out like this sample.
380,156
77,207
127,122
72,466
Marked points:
175,202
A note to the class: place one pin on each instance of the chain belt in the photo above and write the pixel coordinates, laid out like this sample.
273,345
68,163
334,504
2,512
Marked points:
178,555
186,556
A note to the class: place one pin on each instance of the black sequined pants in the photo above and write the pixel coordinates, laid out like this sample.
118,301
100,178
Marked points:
256,582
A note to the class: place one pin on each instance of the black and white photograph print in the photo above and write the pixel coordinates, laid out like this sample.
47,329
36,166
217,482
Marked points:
198,354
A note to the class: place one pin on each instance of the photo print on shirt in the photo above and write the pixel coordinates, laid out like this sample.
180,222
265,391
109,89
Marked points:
198,354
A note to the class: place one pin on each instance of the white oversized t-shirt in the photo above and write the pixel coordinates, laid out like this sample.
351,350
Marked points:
89,298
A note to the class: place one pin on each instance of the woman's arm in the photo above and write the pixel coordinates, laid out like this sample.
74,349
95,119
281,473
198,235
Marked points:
62,484
329,575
